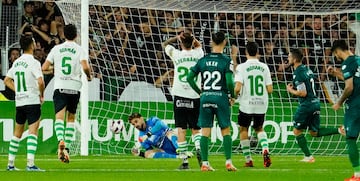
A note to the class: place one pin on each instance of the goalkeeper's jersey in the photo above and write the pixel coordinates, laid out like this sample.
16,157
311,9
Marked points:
157,138
183,61
254,77
66,59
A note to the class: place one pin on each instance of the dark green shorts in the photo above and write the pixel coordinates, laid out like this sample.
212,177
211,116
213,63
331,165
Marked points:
211,105
307,116
352,121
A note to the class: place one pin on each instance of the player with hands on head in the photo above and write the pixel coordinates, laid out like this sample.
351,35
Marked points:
26,80
351,97
307,114
67,59
186,100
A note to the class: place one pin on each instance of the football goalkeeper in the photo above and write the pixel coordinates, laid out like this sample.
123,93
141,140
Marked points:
155,137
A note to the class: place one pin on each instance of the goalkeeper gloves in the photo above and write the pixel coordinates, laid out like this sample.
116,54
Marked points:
145,137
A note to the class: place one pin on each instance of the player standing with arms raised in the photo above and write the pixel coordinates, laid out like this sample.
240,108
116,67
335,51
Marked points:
253,83
26,80
307,114
186,100
68,58
351,94
217,80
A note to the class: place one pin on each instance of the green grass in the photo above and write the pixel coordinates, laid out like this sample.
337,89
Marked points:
125,167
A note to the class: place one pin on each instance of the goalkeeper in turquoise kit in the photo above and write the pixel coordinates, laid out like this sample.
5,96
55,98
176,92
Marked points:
155,137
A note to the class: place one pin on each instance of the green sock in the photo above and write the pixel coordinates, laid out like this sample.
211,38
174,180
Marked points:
353,152
204,145
59,129
69,133
327,131
303,144
227,146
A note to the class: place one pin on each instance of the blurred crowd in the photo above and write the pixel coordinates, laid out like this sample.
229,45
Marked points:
125,43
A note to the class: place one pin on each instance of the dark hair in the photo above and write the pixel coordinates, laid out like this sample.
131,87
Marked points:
339,44
70,31
133,116
218,37
26,42
297,54
187,40
252,48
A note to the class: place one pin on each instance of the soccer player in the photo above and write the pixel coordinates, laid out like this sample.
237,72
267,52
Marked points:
217,81
351,73
186,100
307,114
252,79
158,140
67,59
26,80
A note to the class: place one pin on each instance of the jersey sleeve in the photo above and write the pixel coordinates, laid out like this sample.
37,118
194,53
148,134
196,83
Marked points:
200,52
83,55
50,57
268,80
157,125
348,70
170,51
196,68
239,74
10,73
36,70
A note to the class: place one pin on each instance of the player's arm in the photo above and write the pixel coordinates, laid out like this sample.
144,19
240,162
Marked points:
87,69
269,88
230,83
300,90
349,86
46,66
196,43
41,85
191,80
9,82
237,89
169,41
336,72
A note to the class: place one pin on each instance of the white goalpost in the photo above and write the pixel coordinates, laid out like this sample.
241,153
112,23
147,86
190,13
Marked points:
133,73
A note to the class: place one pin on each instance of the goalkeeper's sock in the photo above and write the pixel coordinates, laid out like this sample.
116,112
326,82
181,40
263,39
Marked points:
327,131
245,146
59,129
204,145
353,153
227,146
163,155
196,139
69,133
301,140
262,137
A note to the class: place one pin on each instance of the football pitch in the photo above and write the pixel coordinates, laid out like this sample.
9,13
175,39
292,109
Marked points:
127,167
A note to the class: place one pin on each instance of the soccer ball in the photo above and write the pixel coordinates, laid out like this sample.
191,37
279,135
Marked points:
117,126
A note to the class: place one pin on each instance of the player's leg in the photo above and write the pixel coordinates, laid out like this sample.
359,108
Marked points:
15,140
223,117
262,137
351,120
206,117
300,123
244,121
193,118
167,150
314,124
60,102
181,125
33,113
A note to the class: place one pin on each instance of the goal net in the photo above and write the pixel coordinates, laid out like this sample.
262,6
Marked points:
135,75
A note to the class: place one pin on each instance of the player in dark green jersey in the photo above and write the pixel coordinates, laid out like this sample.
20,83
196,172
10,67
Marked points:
351,94
217,81
307,114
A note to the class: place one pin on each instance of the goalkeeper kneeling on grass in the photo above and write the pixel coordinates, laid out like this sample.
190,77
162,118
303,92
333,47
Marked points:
155,137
